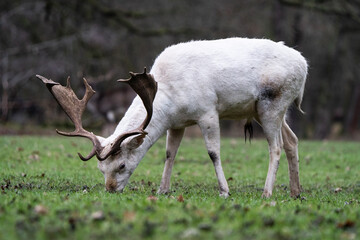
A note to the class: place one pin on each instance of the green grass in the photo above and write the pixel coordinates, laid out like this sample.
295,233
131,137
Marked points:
45,171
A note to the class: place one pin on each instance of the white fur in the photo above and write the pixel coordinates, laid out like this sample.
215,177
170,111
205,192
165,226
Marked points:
200,82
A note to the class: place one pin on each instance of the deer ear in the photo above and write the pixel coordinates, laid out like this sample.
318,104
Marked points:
136,142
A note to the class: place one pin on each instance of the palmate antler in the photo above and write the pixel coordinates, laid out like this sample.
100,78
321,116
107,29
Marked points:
142,83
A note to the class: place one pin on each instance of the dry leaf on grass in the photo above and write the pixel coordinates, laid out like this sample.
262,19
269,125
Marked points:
98,216
152,198
180,198
40,209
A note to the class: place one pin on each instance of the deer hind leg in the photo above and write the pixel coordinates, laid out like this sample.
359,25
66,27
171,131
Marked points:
270,117
174,137
291,150
210,129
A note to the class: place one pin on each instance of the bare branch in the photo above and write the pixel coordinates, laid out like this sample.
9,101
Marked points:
39,46
347,10
121,16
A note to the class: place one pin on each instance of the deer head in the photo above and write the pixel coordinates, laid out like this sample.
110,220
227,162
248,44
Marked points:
142,83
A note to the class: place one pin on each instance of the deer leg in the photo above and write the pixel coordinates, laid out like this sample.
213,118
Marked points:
271,119
173,140
291,150
211,131
274,151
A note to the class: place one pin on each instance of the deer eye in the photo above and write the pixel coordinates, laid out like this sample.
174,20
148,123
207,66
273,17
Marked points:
121,167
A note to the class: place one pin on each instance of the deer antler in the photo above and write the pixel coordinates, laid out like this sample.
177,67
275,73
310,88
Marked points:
146,87
74,108
142,83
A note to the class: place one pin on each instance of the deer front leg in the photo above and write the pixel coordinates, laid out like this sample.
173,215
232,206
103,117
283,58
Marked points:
210,129
173,140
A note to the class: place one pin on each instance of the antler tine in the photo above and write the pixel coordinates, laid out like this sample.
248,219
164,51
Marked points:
115,148
68,82
74,108
88,93
91,154
80,132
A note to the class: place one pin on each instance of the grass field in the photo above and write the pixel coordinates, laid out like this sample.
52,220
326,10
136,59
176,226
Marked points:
48,193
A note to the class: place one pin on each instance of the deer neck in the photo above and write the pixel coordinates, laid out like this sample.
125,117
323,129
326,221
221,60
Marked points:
133,118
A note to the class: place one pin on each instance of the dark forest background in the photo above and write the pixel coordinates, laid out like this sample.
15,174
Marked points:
104,40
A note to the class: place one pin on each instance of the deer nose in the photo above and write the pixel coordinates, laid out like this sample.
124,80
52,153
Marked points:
111,184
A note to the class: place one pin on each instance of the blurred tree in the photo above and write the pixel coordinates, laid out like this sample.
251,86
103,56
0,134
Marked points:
61,37
102,40
344,66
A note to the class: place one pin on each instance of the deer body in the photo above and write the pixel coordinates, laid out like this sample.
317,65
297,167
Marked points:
204,81
201,82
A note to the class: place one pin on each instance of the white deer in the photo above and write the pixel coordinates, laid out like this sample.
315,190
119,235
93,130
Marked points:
200,82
